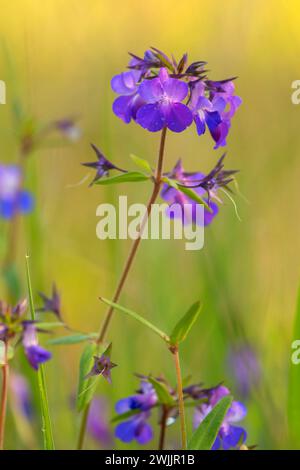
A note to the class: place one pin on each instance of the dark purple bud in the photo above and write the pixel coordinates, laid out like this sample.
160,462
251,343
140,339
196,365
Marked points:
51,304
102,366
102,165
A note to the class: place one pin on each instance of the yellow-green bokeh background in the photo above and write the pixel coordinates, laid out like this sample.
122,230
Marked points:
64,53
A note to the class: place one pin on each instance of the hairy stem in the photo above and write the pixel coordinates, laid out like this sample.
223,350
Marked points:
128,264
136,243
163,425
5,372
180,398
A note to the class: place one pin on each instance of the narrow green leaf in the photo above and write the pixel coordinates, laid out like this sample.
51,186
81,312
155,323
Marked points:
10,353
170,182
182,328
46,419
162,392
72,339
205,435
141,163
49,325
293,405
125,416
193,195
137,317
86,387
131,176
13,281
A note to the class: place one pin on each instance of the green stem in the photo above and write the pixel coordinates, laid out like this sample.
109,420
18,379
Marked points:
130,259
3,406
81,436
175,353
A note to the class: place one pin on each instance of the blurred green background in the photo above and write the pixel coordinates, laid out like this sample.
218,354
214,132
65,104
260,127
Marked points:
63,54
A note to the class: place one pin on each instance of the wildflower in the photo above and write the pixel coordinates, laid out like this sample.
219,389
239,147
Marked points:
13,199
97,424
102,366
137,428
245,367
174,196
14,325
102,165
163,108
229,436
159,92
35,354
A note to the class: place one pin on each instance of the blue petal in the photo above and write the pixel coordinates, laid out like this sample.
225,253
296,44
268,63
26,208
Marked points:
212,120
124,405
234,436
216,444
143,433
126,431
200,123
26,202
7,209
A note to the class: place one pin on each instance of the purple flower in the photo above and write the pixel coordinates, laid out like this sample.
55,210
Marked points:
97,424
174,196
35,354
21,395
102,165
102,366
126,85
163,108
137,428
51,304
229,436
13,199
245,367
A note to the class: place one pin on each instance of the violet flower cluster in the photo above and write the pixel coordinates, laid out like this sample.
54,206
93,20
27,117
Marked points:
14,326
137,427
158,92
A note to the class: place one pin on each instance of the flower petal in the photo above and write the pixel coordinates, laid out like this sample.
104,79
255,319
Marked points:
126,431
151,117
175,89
234,436
143,433
236,412
179,117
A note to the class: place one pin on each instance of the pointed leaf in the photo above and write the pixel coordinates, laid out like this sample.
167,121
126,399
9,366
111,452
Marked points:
86,387
205,435
162,392
141,163
184,325
130,177
72,339
137,317
125,416
193,195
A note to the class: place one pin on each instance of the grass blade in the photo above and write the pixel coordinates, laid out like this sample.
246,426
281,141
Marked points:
46,420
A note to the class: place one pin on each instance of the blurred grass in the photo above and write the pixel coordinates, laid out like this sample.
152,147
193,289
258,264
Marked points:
64,54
